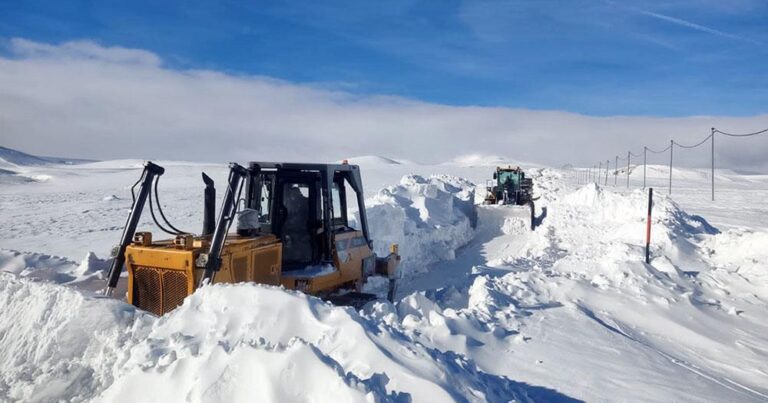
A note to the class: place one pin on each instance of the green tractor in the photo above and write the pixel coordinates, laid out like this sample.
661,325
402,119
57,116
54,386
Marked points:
510,187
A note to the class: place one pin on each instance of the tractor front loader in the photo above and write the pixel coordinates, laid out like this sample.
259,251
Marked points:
510,187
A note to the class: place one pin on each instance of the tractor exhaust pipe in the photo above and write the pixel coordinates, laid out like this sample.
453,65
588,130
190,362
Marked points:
209,206
151,171
226,217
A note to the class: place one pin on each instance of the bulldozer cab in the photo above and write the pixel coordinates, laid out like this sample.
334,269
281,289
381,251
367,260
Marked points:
305,206
293,230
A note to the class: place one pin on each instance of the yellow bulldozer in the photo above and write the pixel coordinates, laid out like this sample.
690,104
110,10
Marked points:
292,230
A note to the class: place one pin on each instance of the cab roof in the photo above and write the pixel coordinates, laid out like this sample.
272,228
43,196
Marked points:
300,166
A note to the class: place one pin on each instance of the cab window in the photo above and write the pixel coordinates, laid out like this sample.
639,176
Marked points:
338,215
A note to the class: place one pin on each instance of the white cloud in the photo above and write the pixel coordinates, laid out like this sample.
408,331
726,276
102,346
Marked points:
80,99
83,50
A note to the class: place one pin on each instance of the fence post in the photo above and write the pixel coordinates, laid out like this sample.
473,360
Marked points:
616,171
671,148
645,154
599,173
607,167
648,227
713,164
629,156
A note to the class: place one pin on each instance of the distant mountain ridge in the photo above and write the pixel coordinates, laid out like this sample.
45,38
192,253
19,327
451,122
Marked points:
21,158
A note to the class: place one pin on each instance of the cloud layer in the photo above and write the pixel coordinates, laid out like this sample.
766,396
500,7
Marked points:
81,99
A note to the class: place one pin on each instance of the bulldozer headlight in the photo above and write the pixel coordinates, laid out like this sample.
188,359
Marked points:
202,260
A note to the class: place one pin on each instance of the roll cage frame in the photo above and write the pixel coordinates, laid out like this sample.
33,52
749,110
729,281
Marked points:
325,176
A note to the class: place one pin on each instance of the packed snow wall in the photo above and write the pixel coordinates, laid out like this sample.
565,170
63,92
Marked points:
429,218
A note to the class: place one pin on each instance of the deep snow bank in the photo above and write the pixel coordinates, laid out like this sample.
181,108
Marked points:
225,343
428,217
89,274
55,343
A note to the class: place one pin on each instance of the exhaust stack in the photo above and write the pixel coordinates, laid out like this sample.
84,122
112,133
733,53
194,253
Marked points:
209,206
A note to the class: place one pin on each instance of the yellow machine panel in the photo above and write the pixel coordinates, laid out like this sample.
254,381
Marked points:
162,274
351,255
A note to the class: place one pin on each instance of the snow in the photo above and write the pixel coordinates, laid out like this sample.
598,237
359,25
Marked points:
487,310
226,343
10,156
429,218
371,160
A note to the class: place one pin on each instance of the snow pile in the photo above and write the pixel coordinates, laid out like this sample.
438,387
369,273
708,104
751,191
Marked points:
429,218
10,177
626,214
739,257
240,342
55,343
89,274
739,250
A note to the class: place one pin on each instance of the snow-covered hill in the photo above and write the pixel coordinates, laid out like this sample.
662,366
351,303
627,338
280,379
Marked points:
368,160
15,164
487,312
15,157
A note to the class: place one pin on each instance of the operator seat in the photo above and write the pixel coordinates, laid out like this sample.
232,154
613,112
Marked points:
297,240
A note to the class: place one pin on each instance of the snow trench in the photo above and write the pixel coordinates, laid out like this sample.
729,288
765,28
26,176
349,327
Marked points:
525,312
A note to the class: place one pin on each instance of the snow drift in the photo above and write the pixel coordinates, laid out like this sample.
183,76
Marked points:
88,274
429,218
240,342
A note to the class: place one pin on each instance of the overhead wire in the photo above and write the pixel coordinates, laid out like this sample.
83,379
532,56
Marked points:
670,147
697,144
659,152
742,134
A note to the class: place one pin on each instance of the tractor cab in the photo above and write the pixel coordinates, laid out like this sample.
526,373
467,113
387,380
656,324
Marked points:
509,186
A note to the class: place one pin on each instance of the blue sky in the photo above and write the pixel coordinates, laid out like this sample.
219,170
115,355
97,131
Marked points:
658,58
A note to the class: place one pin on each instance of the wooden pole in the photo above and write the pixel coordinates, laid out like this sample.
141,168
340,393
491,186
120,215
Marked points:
713,164
671,148
645,155
629,156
